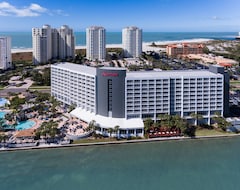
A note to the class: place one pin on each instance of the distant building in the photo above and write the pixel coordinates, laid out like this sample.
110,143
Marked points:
66,42
5,53
132,41
184,49
96,43
50,43
42,44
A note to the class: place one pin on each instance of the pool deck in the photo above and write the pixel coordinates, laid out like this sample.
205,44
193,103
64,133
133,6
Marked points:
37,123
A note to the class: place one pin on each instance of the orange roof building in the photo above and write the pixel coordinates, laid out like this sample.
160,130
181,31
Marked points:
184,49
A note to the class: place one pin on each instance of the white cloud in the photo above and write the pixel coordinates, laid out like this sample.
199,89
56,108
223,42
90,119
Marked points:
38,8
33,10
60,12
216,18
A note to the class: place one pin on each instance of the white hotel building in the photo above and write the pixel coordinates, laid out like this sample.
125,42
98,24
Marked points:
132,41
112,96
5,53
96,43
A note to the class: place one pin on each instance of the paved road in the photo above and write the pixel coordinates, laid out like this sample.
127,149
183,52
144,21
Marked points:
5,92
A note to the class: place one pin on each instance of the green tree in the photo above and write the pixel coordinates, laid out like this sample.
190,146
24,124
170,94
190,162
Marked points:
180,123
41,97
110,131
2,124
9,116
197,117
116,130
148,123
16,102
54,104
221,122
167,120
91,126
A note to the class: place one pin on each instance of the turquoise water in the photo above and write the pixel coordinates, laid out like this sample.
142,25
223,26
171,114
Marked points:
25,125
24,39
177,165
2,114
22,124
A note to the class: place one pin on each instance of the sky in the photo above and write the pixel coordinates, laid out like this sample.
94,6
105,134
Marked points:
150,15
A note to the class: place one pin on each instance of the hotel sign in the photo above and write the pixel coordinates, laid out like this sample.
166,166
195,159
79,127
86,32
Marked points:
108,74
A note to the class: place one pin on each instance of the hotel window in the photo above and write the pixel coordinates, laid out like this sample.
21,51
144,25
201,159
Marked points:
109,95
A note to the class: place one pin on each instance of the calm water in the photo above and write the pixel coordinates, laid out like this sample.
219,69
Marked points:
181,165
24,39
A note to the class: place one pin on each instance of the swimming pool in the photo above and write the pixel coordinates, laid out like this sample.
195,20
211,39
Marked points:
22,124
2,114
25,125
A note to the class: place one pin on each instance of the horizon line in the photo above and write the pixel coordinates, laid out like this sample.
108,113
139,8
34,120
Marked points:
150,31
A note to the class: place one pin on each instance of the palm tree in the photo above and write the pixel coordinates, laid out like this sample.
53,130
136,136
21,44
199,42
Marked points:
197,117
180,123
148,123
110,131
116,130
91,126
221,122
1,124
166,120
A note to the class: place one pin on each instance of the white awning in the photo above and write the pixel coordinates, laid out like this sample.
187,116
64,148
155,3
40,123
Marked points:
108,122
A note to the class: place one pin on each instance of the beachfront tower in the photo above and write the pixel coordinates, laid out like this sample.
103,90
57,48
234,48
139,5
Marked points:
132,41
42,44
50,43
66,42
5,53
96,43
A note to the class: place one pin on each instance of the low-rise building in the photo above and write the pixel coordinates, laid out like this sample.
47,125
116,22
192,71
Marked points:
184,49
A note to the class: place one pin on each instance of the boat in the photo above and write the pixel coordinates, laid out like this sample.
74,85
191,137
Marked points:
238,37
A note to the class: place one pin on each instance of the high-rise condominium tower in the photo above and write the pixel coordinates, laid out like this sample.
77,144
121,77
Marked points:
132,41
42,44
50,43
5,53
66,42
96,43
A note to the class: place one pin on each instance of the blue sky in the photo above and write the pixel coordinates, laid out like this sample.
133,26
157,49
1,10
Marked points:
150,15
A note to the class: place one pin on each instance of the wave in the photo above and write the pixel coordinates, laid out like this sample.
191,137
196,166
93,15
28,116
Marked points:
194,40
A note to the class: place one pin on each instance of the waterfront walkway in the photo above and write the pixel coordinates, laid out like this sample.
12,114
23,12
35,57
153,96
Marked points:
119,142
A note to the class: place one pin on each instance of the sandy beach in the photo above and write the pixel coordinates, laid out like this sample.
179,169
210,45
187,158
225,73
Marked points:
145,45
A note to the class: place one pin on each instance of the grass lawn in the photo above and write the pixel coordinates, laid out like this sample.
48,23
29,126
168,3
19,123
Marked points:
93,140
235,82
39,87
208,132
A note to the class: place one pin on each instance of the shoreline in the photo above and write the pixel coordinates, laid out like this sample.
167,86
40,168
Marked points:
116,142
145,45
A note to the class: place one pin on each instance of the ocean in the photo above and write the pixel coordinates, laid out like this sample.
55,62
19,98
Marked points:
204,164
23,40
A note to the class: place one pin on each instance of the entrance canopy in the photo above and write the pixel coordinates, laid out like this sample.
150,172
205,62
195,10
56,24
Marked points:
107,122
